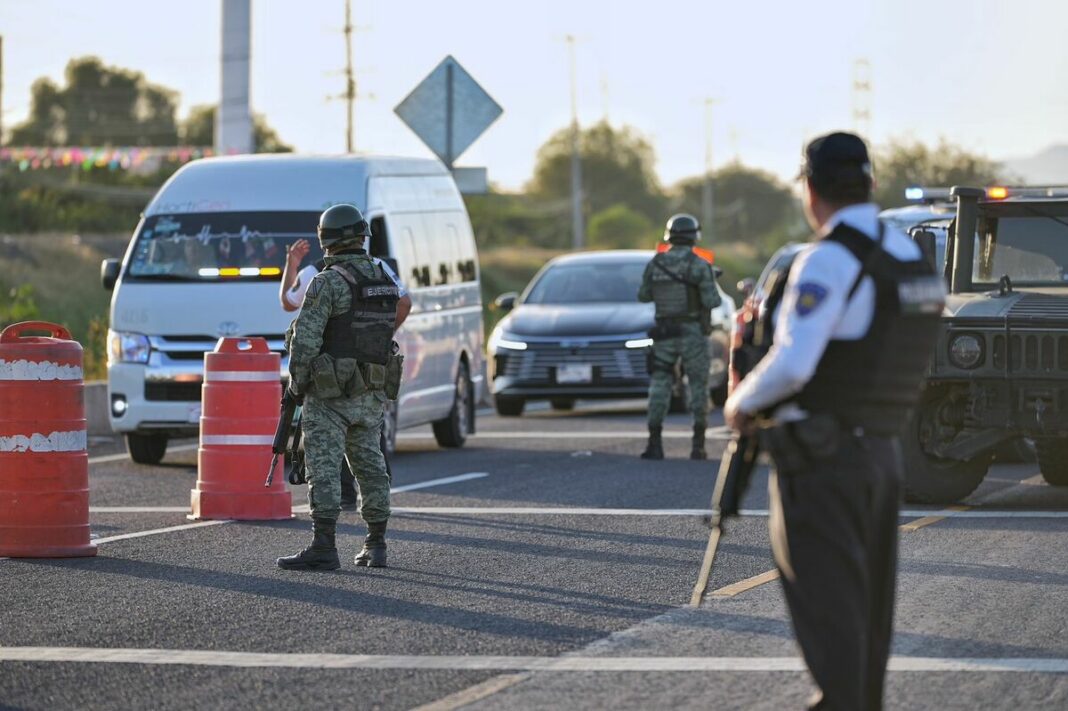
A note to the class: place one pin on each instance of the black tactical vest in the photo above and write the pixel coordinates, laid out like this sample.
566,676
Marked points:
874,382
365,331
676,297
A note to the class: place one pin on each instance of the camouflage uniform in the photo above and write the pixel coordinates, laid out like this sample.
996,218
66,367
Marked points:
340,426
691,345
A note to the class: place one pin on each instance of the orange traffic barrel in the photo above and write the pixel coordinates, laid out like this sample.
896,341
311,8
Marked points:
44,465
239,414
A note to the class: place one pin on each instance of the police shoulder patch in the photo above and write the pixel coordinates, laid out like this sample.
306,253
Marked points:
810,295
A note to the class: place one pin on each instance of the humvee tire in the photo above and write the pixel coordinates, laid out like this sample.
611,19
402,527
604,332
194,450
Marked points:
932,480
1053,460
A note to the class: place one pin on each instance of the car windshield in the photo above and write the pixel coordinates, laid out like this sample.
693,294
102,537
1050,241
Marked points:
220,246
590,283
1031,251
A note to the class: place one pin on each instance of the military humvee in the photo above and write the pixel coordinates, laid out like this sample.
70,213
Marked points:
1000,370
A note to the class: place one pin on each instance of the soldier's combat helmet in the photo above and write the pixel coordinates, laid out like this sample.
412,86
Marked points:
682,229
342,227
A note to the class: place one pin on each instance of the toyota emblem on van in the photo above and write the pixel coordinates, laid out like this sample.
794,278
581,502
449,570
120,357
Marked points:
228,328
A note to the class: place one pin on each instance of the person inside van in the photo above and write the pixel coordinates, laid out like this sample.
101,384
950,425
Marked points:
295,282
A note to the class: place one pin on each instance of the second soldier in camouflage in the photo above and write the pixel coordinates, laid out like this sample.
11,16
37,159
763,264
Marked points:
683,288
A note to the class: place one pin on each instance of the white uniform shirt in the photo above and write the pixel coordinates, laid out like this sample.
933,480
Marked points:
814,311
295,296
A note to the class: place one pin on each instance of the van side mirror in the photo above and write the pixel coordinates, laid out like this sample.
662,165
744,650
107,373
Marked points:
926,241
506,302
109,273
746,286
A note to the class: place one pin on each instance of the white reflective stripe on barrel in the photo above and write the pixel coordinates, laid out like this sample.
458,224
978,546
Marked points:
37,370
243,376
256,440
74,441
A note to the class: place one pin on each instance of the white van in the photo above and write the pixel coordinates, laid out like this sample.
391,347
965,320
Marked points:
206,261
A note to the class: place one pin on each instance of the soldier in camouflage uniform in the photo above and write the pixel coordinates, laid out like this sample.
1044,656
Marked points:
683,287
343,363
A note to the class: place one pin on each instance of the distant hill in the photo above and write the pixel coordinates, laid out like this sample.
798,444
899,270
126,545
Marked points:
1048,167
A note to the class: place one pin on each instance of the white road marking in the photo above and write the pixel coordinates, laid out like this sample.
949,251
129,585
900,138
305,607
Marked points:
156,531
509,663
712,433
296,509
124,456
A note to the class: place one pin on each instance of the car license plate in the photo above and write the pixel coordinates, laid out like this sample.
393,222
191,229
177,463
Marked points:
574,373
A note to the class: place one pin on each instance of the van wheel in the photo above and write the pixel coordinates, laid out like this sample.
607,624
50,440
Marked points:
930,479
452,431
146,448
562,404
389,429
508,406
1053,461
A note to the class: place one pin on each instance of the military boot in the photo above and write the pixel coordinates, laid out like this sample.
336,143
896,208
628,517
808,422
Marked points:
698,450
655,448
321,554
373,554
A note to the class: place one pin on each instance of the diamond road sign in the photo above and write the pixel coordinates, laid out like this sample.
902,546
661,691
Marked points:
448,110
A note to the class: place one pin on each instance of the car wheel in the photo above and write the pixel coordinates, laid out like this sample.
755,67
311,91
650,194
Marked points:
509,406
1053,461
562,403
452,430
930,479
719,394
146,448
389,429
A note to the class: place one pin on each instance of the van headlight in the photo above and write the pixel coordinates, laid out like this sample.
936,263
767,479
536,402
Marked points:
966,351
127,347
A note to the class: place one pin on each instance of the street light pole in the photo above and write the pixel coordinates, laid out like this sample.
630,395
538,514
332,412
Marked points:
578,230
708,203
350,81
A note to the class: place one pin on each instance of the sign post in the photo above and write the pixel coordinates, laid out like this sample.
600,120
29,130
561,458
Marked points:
448,111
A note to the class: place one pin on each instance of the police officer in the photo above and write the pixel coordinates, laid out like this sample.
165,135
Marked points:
342,362
683,287
294,285
852,325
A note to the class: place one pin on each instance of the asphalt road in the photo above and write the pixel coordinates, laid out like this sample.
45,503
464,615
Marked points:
543,566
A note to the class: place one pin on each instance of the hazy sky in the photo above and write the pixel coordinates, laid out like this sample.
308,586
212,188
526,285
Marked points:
988,74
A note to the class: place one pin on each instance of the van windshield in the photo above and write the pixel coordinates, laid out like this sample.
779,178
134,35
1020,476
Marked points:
220,246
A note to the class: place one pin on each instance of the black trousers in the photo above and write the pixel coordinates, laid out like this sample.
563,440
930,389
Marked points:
834,534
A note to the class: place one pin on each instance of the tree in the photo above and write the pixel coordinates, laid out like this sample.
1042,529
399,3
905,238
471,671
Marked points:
621,227
901,164
617,167
199,130
749,203
99,106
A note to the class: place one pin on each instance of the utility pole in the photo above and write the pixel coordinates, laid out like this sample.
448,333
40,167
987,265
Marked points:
708,203
1,90
578,229
350,80
862,98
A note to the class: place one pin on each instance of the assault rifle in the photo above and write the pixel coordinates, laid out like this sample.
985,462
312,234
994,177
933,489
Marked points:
283,432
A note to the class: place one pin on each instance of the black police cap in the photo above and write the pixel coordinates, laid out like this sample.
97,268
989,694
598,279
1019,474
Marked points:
836,155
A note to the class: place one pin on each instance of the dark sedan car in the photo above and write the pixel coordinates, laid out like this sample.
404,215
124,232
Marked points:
579,331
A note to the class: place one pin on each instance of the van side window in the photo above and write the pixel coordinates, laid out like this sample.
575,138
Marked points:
379,238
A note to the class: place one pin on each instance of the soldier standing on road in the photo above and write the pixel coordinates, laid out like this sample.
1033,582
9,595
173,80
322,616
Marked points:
294,285
343,363
683,287
853,322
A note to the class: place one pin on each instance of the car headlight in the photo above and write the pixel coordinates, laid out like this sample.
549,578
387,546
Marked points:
965,351
506,341
127,347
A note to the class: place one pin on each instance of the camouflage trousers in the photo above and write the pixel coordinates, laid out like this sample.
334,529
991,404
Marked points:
346,428
692,348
